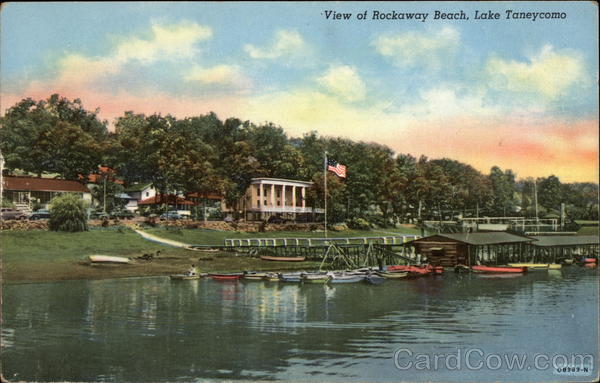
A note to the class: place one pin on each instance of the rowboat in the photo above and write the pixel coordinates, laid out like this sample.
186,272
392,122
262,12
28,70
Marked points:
282,259
374,279
291,277
590,260
108,259
315,278
225,277
537,266
498,269
413,270
271,277
393,274
184,277
254,276
345,278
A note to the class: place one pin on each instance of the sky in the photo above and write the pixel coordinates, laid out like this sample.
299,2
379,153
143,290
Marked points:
518,93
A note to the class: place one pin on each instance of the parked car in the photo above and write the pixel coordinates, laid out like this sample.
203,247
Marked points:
40,214
171,215
276,219
98,215
122,214
8,213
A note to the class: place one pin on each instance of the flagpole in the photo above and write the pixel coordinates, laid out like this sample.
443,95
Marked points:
325,183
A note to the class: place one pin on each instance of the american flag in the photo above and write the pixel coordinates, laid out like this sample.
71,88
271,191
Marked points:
338,169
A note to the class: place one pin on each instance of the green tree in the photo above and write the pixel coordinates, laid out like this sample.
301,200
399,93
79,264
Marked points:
54,135
550,192
68,213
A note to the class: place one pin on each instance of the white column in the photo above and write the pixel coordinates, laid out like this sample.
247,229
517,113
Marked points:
273,195
283,196
294,198
303,197
260,195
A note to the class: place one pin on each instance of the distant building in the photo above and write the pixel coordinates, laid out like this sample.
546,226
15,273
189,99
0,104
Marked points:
26,191
141,191
266,197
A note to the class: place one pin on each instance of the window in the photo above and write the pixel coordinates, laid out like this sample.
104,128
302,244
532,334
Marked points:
147,194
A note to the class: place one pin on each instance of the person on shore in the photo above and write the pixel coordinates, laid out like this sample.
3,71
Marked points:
193,271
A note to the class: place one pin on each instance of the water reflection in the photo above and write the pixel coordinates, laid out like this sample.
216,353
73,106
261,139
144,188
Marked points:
158,330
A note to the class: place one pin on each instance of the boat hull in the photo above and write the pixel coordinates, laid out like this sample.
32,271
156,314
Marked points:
108,259
498,269
347,279
393,274
282,259
225,277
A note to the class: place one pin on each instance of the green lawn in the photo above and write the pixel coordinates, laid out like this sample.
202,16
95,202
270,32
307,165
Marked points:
210,237
33,256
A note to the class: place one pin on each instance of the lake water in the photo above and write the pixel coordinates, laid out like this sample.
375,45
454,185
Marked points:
153,329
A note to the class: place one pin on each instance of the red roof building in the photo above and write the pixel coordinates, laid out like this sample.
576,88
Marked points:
25,191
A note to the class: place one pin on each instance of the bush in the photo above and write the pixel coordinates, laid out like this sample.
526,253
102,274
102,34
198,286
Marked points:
68,213
359,224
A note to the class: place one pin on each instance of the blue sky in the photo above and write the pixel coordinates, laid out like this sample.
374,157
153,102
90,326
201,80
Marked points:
520,94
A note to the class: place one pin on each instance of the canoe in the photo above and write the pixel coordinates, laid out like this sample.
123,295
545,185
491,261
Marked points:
498,269
315,278
393,274
225,277
271,277
531,266
590,260
282,259
108,259
568,261
291,277
374,279
184,277
254,276
346,278
415,270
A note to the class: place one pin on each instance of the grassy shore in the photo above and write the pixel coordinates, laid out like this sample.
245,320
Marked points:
37,256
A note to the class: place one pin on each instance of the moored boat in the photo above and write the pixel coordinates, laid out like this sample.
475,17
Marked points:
590,260
414,270
108,259
346,278
184,277
253,276
532,266
225,277
291,277
282,259
393,274
315,278
271,277
498,269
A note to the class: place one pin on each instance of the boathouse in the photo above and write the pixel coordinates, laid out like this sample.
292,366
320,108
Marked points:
556,248
450,250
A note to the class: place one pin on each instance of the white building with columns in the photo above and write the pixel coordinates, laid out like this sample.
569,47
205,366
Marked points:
268,197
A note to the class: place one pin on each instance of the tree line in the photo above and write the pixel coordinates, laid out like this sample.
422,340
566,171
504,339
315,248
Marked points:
205,154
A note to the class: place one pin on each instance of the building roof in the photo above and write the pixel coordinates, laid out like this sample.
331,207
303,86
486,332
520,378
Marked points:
492,238
43,184
279,181
160,199
138,187
564,240
209,195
